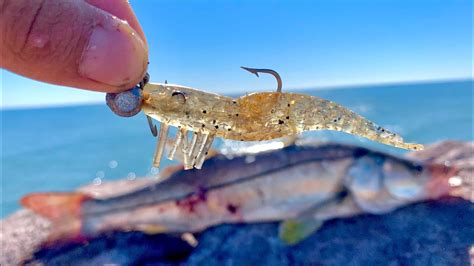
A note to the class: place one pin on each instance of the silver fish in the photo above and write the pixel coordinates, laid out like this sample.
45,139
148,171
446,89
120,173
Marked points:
303,186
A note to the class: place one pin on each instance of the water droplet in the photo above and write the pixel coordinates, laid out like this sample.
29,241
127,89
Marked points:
100,174
97,181
131,176
113,164
154,171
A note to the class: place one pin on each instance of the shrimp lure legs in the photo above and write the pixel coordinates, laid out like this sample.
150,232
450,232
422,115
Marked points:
253,117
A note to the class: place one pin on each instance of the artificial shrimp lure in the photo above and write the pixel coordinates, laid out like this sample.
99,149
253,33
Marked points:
253,117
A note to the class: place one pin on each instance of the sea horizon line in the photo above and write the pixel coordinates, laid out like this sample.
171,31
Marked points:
295,89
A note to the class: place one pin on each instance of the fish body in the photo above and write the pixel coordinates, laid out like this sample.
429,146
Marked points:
317,183
253,117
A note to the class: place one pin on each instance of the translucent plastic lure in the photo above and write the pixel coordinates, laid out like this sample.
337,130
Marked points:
253,117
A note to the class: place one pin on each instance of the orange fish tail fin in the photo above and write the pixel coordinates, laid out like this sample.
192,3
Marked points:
64,212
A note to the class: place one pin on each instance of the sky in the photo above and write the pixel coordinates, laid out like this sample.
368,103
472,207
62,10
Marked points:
312,44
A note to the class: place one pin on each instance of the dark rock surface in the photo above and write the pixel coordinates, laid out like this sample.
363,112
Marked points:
430,233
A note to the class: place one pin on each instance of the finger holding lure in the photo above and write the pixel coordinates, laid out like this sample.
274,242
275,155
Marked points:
253,117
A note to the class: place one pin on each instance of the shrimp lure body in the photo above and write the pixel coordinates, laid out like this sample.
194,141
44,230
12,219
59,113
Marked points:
253,117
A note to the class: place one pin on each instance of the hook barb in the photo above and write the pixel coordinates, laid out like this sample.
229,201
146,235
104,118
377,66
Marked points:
267,71
154,130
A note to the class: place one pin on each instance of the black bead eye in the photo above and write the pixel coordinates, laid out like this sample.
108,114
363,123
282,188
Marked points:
179,95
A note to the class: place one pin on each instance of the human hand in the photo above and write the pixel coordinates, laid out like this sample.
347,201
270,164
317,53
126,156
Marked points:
89,44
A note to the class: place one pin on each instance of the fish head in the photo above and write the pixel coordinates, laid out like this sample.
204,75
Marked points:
412,181
365,181
380,184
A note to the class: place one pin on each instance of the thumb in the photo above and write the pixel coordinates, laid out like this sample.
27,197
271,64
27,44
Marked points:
73,43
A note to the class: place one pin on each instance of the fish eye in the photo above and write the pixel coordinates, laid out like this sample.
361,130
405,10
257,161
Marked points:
179,96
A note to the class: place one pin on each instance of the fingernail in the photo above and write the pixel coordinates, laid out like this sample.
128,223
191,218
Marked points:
115,56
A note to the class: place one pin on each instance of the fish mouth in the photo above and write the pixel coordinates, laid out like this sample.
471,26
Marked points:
444,181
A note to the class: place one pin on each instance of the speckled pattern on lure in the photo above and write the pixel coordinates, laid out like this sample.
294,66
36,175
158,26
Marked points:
253,117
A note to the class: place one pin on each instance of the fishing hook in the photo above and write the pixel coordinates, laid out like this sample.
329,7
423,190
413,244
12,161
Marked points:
144,81
153,129
267,71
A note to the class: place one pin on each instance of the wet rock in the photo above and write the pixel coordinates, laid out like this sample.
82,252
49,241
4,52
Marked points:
430,233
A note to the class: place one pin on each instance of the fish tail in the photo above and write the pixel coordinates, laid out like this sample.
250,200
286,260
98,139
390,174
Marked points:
63,210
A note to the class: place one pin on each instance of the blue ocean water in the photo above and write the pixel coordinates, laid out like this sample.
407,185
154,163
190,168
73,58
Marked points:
59,149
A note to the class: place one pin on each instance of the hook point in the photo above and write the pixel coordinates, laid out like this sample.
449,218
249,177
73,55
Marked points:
268,71
154,130
251,70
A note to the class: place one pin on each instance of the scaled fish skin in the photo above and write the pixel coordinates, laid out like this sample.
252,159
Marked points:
304,185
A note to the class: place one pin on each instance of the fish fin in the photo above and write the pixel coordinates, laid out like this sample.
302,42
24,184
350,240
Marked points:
55,205
64,212
293,231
